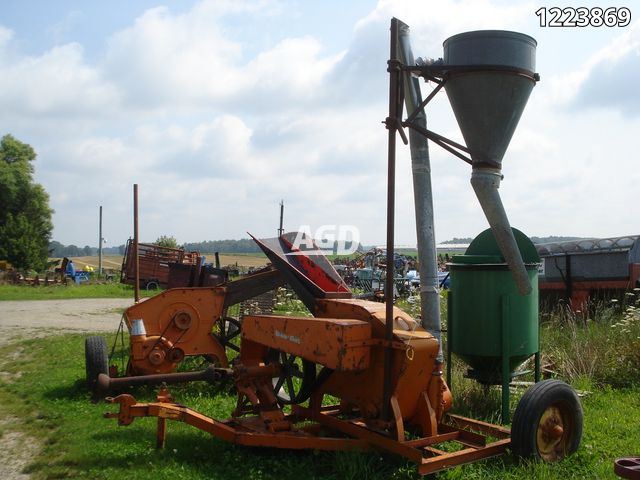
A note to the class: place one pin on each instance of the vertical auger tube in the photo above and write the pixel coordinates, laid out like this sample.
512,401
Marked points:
485,182
423,198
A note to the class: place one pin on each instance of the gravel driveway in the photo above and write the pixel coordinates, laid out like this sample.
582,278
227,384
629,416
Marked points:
47,317
39,318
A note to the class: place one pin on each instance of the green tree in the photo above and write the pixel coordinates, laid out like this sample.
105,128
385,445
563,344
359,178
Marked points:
165,241
25,216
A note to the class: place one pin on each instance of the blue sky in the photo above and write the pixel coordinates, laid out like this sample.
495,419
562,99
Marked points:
219,109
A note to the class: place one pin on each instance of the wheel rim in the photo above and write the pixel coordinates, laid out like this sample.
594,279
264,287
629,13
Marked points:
229,329
292,386
554,433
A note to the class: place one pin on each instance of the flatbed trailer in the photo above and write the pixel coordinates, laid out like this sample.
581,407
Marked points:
154,263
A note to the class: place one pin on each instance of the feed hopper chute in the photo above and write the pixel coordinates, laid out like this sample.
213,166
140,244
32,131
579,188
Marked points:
490,75
488,85
306,269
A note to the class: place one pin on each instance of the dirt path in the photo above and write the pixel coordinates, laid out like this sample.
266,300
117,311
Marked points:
39,318
48,317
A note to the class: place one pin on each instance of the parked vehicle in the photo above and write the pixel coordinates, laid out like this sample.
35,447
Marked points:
154,262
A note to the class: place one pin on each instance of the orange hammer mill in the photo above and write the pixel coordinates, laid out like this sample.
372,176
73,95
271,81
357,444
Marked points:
285,361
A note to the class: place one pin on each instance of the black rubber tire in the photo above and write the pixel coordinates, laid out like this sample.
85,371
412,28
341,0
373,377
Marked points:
96,359
152,285
555,400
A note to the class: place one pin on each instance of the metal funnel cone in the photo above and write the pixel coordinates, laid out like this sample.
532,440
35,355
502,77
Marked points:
488,85
488,107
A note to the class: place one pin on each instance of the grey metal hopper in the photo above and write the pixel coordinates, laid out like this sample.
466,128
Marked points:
489,101
489,80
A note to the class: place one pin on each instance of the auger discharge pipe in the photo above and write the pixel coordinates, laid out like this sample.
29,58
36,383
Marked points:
485,183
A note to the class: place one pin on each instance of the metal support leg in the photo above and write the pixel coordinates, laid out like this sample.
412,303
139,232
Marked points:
449,340
537,371
506,371
161,434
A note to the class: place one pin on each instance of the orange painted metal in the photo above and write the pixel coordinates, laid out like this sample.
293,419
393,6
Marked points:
181,322
178,322
339,344
251,431
412,365
317,275
347,338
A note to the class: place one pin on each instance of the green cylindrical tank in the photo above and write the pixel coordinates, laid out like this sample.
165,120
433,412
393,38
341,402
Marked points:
490,324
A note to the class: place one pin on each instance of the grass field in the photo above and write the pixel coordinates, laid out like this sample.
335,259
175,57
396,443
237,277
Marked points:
42,390
110,289
42,385
70,290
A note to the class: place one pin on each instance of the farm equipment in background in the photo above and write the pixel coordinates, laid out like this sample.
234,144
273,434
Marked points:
155,265
380,370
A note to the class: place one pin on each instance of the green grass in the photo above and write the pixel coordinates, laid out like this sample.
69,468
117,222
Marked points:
43,386
71,290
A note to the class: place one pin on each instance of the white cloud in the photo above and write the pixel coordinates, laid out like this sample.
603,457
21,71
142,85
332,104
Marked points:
163,57
5,37
611,77
56,83
59,30
292,71
216,130
431,24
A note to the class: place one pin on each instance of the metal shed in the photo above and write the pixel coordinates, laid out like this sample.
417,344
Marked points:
580,268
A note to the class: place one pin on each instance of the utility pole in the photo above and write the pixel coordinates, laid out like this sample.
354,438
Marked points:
136,287
100,240
281,229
